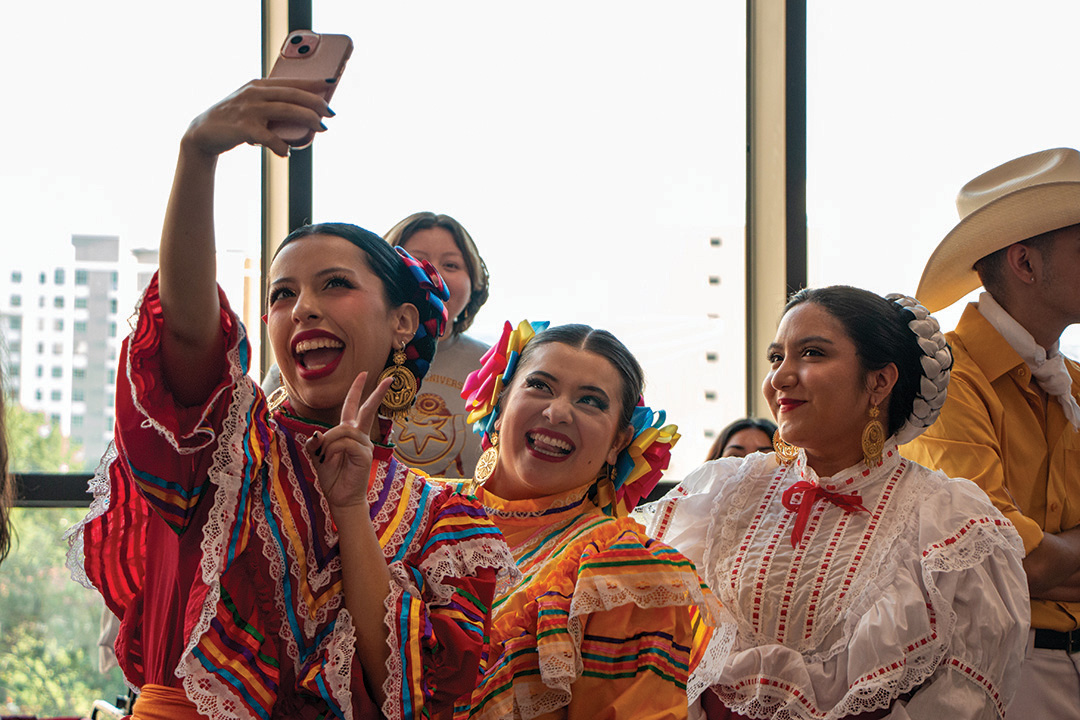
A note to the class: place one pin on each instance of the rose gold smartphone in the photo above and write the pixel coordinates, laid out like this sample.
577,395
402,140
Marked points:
310,56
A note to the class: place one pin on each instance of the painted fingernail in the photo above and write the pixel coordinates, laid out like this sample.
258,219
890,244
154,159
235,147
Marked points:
331,112
331,81
322,125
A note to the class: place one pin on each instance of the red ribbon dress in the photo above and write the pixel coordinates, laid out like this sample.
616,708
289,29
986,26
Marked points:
209,538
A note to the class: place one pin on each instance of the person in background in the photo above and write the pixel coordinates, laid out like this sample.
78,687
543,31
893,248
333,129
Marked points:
268,557
1011,421
864,585
606,622
742,437
434,437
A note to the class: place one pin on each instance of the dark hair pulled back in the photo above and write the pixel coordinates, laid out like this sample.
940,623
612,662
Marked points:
399,285
879,329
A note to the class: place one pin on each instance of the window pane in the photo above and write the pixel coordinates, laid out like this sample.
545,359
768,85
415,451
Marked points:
926,107
94,171
49,625
593,150
98,214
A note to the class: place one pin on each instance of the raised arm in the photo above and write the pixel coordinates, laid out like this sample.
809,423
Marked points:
192,343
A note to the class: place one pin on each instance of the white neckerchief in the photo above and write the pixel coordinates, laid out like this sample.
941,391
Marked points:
1048,368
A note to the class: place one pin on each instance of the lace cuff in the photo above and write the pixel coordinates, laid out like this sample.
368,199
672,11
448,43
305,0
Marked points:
188,430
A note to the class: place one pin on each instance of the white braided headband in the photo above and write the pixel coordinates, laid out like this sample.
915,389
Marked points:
936,362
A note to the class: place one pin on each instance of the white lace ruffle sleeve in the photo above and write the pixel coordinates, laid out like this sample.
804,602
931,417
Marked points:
918,603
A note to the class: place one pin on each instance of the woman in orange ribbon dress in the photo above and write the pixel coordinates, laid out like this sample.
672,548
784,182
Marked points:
271,559
864,585
606,622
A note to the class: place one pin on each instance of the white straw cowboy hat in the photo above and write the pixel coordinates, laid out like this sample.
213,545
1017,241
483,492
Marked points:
1023,198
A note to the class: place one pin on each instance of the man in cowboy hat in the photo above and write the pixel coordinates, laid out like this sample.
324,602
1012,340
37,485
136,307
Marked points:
1011,418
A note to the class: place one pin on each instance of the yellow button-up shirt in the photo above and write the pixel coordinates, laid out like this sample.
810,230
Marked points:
997,430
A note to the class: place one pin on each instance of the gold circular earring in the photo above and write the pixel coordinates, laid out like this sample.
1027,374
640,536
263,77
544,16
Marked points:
277,398
403,388
487,462
873,439
784,452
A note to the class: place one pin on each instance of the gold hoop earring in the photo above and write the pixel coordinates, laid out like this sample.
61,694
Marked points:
873,439
487,462
785,452
402,390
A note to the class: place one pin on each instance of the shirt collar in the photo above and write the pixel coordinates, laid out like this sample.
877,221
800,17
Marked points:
852,479
990,351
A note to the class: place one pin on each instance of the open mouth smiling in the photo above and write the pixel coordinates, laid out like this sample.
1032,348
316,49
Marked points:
317,355
548,446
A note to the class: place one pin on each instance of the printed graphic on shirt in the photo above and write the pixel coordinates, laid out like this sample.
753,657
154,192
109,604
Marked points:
433,437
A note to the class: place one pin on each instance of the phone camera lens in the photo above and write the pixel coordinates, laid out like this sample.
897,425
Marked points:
303,49
296,39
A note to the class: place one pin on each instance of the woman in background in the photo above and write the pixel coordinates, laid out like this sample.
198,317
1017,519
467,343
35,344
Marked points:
742,437
863,584
434,436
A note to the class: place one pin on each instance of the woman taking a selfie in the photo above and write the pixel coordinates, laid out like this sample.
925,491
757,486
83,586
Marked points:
864,585
606,622
272,559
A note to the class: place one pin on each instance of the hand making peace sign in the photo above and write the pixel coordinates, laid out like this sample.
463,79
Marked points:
342,456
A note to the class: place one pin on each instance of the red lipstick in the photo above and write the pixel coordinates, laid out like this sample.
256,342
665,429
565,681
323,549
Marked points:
330,347
548,445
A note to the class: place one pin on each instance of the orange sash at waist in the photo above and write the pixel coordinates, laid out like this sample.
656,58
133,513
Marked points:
158,702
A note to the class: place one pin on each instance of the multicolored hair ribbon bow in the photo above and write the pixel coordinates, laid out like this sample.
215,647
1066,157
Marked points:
641,464
484,385
429,293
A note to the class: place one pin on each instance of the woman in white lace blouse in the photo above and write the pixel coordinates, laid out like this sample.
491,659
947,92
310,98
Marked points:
864,585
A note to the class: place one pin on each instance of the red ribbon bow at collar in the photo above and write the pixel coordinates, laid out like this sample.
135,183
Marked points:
811,493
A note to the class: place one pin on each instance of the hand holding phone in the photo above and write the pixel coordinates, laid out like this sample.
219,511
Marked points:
306,55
